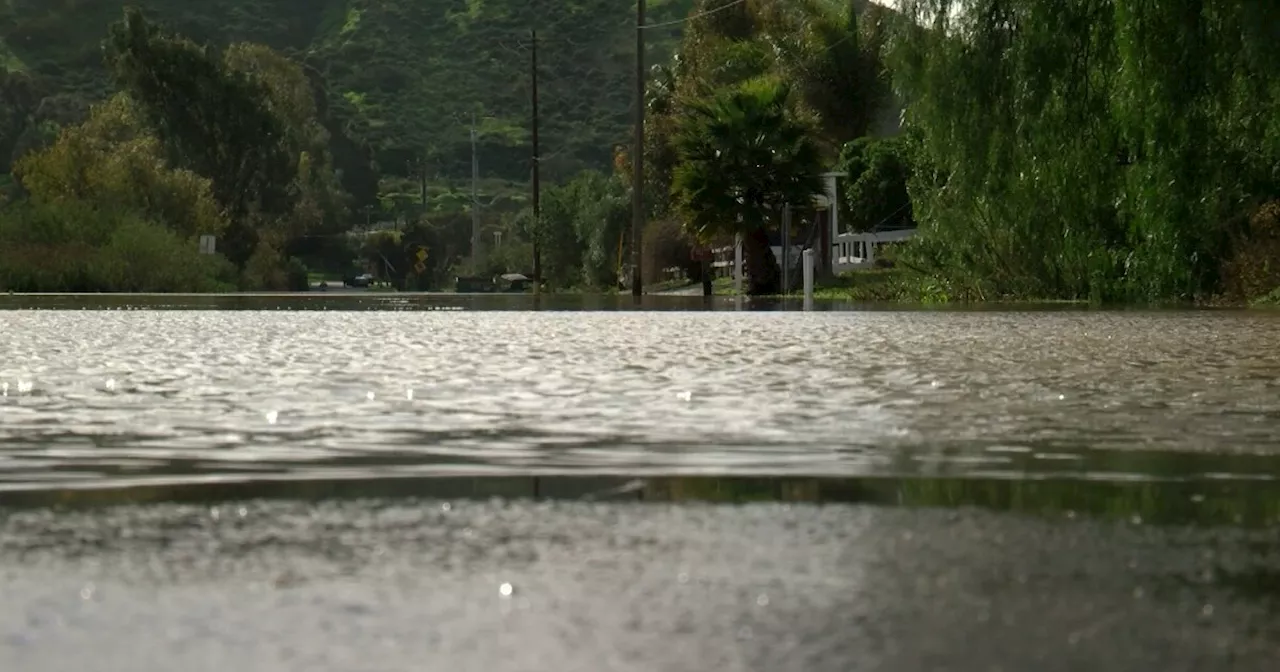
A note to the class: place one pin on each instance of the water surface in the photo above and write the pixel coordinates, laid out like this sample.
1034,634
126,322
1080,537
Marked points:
451,482
340,390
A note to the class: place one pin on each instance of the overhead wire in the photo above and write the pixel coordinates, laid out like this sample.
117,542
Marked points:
693,17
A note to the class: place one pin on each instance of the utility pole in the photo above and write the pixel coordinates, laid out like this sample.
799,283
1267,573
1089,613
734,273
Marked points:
537,160
424,186
475,200
637,158
786,248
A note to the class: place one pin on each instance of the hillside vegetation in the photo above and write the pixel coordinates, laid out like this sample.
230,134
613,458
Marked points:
406,76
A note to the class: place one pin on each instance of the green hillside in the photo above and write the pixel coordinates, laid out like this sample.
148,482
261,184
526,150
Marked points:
406,75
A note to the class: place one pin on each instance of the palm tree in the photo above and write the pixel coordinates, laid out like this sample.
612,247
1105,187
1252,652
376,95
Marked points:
742,155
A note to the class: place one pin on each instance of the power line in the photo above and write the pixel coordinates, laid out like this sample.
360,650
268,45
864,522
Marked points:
637,158
835,44
691,17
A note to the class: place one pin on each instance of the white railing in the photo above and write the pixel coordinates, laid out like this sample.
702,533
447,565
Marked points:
852,251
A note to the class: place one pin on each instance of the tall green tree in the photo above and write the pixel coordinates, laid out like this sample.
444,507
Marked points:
742,155
214,120
321,210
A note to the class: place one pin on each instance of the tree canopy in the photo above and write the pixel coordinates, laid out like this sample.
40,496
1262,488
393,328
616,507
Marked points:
1111,149
742,156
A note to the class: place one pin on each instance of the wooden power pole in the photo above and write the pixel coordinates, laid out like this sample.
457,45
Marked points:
475,200
637,158
537,160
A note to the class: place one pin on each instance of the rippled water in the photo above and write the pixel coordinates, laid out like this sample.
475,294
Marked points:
115,396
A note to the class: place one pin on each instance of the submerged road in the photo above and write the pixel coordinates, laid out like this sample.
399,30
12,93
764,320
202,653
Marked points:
519,585
269,483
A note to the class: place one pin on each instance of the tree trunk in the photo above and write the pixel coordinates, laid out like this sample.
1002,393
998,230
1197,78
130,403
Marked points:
763,275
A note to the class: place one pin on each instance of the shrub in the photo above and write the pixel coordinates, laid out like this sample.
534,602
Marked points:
72,247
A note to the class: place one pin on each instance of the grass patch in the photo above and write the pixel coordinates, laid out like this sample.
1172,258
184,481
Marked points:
892,285
669,285
876,284
724,287
316,278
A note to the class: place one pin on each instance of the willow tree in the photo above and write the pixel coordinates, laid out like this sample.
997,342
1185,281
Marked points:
742,155
1095,148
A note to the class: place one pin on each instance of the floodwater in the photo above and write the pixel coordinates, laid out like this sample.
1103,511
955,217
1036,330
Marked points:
446,482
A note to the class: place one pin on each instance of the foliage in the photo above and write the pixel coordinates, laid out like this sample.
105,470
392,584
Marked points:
405,75
875,191
581,225
18,102
1101,149
270,269
392,255
320,213
383,254
743,155
557,237
886,285
603,221
831,54
826,51
205,143
75,246
214,120
111,162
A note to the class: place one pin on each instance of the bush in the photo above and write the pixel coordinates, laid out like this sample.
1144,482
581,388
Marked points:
146,257
297,277
71,247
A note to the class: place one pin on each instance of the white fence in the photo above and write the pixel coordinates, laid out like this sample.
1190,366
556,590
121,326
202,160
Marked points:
852,251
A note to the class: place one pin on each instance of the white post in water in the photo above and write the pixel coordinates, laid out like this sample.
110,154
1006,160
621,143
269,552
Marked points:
737,264
807,257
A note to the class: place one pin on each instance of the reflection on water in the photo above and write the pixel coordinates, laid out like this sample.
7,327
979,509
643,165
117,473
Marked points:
380,583
1138,503
366,300
429,301
162,397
